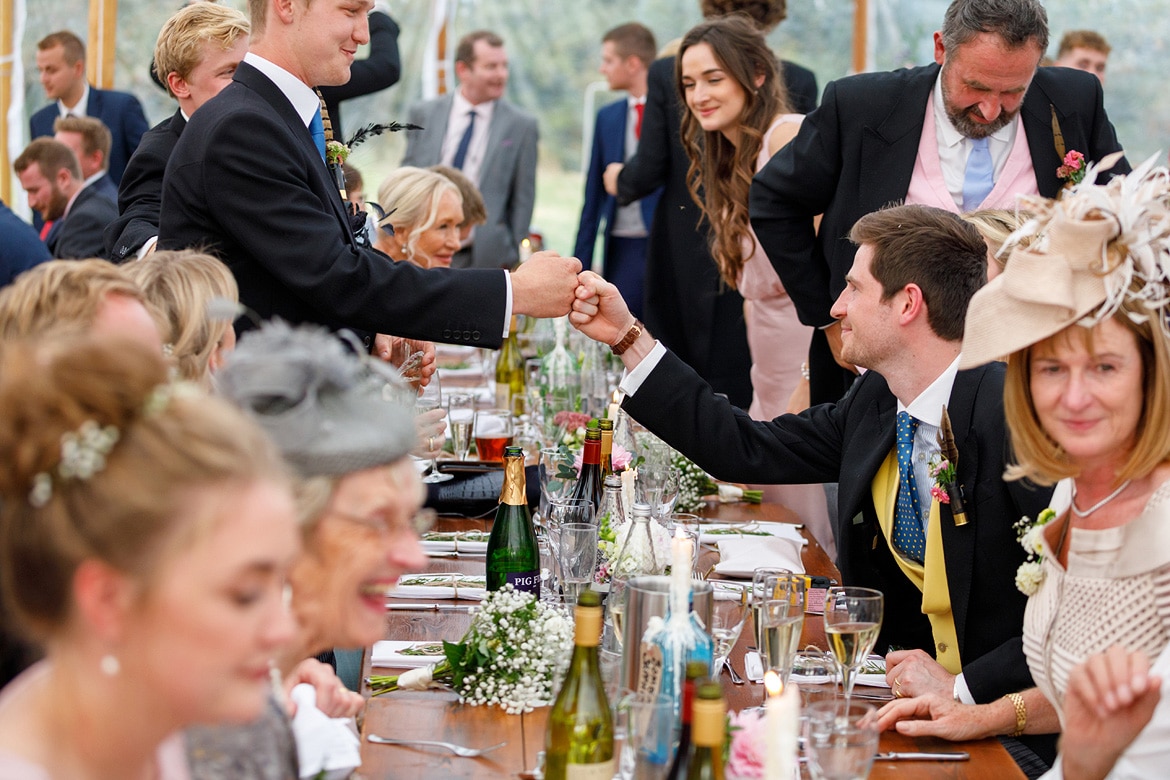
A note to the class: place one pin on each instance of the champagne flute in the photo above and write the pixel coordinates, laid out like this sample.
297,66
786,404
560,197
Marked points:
758,596
783,619
430,398
460,415
729,611
853,618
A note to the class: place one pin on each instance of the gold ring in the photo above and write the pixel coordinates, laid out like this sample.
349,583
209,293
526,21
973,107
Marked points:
897,688
430,443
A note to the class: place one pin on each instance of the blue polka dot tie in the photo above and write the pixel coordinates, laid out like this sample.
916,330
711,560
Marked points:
909,537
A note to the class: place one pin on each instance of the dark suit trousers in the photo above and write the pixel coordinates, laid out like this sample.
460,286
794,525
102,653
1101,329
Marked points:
625,266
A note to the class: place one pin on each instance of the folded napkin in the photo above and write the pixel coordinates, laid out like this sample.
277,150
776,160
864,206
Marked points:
441,586
405,655
461,541
713,533
740,556
327,747
728,591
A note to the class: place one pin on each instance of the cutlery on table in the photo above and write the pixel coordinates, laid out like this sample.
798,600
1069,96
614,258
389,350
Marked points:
459,750
392,605
735,678
892,756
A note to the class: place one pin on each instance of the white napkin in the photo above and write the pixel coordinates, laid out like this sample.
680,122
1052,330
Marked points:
440,586
388,653
326,747
460,543
713,533
727,591
465,371
742,555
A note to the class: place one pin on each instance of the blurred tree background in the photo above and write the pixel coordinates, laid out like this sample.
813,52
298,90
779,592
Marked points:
554,50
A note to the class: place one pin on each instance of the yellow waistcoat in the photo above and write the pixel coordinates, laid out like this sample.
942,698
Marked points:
930,576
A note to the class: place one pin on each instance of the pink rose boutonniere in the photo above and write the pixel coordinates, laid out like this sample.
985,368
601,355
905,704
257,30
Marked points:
1073,169
942,471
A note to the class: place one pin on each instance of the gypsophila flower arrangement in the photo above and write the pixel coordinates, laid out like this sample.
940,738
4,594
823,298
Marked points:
1030,575
513,655
1072,171
693,484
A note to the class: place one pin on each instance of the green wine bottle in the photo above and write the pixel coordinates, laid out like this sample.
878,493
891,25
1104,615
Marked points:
606,426
707,732
578,743
512,555
510,374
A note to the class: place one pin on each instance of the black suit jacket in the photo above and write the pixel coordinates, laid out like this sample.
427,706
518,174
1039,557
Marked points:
119,111
140,195
246,182
80,233
686,303
856,153
847,443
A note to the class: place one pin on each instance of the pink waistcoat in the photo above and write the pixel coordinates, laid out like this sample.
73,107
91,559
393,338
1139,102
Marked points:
929,188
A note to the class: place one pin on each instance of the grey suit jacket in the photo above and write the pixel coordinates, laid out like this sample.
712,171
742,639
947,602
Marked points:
507,178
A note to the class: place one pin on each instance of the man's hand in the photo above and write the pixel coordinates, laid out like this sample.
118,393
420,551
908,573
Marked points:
1110,699
543,286
610,177
430,430
333,698
833,334
599,310
911,673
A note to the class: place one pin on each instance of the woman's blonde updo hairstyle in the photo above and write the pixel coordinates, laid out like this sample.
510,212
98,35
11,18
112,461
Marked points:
132,513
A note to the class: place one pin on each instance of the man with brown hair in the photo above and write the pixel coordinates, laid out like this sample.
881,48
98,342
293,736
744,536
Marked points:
61,63
476,130
90,140
1084,50
947,575
51,176
627,51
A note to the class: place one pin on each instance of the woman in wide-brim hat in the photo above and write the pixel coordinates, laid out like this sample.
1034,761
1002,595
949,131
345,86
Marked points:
1082,314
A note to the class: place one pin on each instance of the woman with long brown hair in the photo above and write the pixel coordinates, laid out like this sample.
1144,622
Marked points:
737,118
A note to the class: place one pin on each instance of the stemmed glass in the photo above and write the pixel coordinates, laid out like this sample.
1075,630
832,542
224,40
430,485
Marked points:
782,615
728,614
430,399
460,415
853,618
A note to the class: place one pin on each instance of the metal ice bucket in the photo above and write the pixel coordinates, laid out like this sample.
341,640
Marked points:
648,597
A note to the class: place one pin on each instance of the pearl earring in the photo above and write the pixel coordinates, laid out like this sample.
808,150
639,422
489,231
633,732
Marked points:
110,665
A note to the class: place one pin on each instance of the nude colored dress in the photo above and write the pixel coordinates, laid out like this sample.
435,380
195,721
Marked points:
779,344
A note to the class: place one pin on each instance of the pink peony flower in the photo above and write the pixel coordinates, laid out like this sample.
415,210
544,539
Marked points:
940,495
571,421
746,757
618,455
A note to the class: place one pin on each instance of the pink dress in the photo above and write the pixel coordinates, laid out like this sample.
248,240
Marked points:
779,344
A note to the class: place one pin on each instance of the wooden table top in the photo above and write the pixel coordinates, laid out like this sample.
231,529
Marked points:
438,715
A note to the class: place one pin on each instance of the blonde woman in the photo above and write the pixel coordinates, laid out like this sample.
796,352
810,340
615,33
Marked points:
425,214
193,297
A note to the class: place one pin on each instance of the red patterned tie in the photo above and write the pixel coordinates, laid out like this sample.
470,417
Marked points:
640,108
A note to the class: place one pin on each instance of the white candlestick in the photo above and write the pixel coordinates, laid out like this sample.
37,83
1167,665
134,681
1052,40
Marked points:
782,716
629,477
680,570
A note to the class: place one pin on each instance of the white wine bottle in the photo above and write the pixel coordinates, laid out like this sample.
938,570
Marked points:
578,743
707,732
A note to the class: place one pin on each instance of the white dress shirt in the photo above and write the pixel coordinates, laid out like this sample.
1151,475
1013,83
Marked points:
457,122
79,109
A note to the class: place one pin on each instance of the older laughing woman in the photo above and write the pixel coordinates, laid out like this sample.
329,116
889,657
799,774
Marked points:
1083,313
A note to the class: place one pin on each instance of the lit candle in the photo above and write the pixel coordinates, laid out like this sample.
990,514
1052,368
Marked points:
525,249
781,717
615,405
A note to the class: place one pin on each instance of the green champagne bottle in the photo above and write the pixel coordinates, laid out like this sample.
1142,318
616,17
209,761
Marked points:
512,555
707,731
578,743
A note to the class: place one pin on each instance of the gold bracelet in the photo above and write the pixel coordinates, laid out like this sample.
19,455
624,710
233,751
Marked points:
627,340
1021,712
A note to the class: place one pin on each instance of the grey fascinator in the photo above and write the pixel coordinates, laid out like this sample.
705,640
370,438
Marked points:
329,410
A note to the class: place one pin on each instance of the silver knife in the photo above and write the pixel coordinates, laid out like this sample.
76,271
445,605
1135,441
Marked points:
429,607
891,756
455,554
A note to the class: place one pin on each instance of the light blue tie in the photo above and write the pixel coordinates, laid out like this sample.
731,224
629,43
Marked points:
317,130
979,179
464,143
909,537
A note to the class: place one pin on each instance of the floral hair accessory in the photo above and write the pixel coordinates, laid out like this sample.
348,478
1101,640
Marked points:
83,454
1030,575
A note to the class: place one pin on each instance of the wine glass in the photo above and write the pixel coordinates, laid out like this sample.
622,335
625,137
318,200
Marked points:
578,543
460,415
728,613
558,476
853,618
430,429
783,619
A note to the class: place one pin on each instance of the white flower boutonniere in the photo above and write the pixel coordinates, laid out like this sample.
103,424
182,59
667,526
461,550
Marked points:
1030,575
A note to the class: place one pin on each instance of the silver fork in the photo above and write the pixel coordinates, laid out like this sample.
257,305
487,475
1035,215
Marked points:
459,750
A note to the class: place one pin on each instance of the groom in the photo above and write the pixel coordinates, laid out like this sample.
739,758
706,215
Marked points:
948,580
